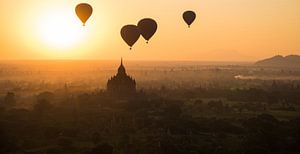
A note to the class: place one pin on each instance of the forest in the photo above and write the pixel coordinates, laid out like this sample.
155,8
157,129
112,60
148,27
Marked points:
206,110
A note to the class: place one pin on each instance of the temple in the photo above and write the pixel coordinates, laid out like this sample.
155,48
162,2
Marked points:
121,84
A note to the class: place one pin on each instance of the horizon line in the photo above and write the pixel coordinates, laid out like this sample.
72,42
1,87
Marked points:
145,60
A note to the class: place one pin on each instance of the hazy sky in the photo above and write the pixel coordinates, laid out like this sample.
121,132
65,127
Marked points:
225,30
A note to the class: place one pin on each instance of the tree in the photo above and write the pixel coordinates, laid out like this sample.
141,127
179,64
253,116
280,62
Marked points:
49,96
42,106
9,99
103,149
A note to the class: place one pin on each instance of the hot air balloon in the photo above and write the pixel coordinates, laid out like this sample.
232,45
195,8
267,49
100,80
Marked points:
130,34
147,28
84,12
189,17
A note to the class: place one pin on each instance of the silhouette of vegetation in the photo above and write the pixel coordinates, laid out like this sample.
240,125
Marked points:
236,116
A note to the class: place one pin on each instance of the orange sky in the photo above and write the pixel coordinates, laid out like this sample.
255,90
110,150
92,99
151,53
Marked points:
225,30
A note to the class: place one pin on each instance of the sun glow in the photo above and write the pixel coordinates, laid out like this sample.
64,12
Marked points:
60,30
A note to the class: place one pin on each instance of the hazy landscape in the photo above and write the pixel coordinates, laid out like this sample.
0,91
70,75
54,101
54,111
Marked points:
21,76
180,107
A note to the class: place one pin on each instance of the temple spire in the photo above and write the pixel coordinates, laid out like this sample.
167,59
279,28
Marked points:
121,70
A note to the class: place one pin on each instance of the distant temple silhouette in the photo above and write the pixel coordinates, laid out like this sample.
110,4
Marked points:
121,84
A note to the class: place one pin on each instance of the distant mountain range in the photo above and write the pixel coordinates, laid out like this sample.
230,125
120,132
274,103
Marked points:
288,61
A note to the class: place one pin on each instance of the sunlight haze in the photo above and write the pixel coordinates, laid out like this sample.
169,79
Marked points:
225,30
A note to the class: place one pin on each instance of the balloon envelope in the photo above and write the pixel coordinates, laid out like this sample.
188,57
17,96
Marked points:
147,28
130,34
189,17
84,12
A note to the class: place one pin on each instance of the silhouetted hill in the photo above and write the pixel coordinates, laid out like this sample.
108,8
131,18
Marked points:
290,61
